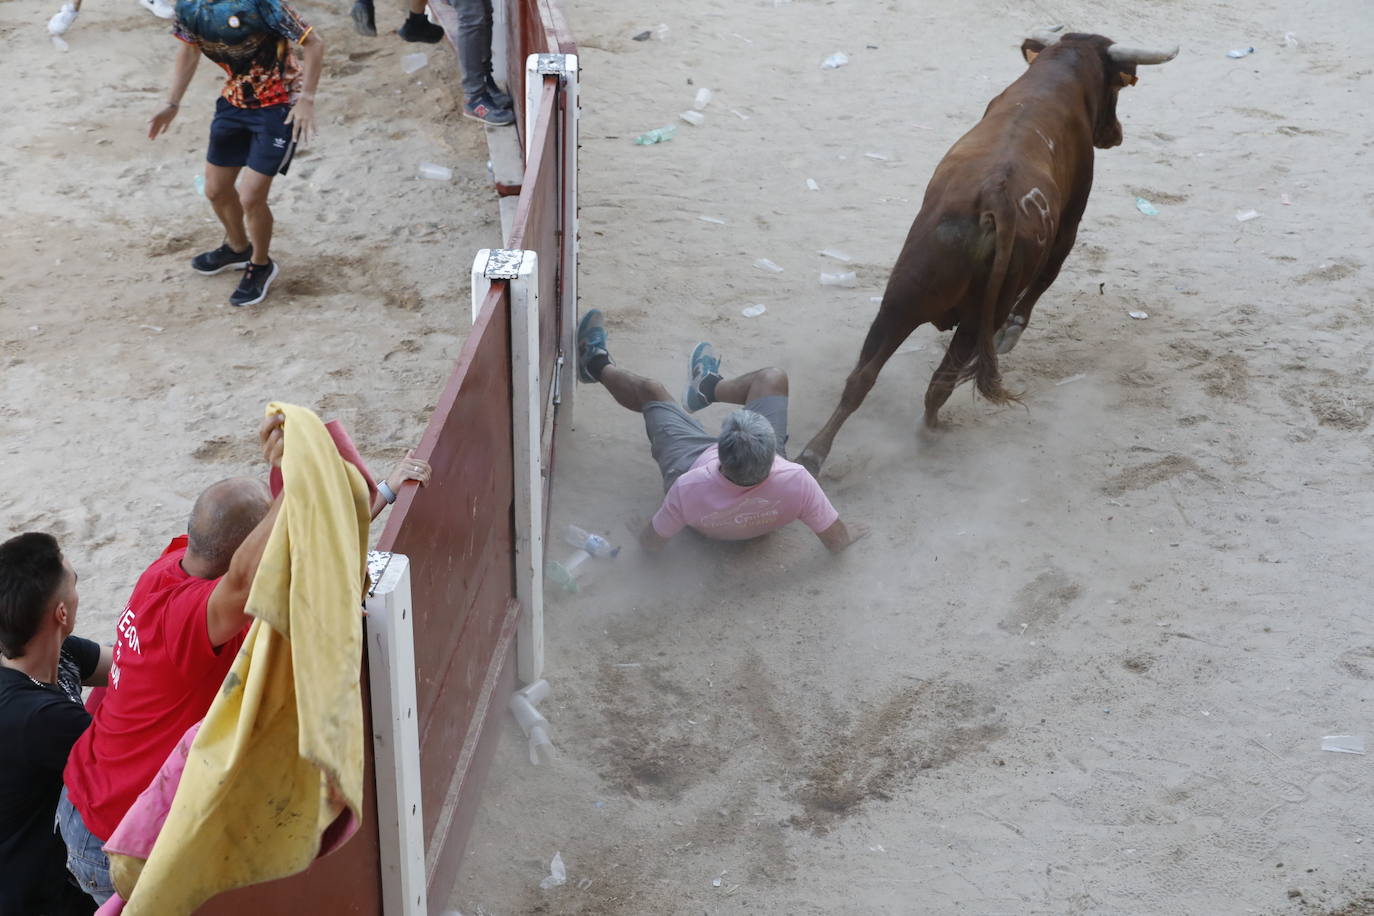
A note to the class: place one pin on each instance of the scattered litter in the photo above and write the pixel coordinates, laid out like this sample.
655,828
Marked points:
594,544
747,41
878,848
703,98
61,21
1071,379
694,118
879,156
644,35
711,219
1144,206
716,881
60,43
598,804
739,114
1344,744
1240,52
835,61
661,33
584,883
532,723
436,172
199,182
1139,316
875,298
1284,199
753,311
1244,216
1290,40
765,264
558,874
847,279
811,185
567,573
412,62
657,135
628,665
836,254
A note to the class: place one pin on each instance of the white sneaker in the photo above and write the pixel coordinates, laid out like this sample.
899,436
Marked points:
159,8
62,19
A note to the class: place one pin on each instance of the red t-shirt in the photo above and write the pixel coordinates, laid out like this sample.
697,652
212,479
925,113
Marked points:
164,677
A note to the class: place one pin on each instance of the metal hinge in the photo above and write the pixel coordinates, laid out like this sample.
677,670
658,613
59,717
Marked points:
558,380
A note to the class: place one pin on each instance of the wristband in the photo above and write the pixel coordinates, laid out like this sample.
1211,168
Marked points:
388,494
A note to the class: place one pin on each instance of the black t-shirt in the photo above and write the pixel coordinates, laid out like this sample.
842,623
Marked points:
39,723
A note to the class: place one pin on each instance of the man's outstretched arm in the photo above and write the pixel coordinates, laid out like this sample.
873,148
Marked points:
840,536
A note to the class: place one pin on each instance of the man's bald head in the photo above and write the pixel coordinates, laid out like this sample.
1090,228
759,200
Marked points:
222,517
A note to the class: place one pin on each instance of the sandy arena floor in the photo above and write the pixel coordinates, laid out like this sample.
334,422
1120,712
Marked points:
1085,662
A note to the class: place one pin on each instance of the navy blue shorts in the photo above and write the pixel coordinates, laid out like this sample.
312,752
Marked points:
259,138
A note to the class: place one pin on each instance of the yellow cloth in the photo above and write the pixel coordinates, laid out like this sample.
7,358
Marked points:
280,755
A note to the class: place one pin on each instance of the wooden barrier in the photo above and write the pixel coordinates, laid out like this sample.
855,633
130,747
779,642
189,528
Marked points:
459,532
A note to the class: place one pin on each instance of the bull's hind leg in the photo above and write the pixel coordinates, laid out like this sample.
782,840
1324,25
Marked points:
953,369
883,340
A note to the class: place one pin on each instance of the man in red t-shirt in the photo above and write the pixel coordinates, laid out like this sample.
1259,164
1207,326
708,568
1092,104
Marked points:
175,642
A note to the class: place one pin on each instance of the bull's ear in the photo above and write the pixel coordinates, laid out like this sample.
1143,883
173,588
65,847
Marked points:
1125,79
1030,49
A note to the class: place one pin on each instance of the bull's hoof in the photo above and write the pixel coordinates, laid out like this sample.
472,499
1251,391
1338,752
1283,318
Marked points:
808,460
1009,334
932,419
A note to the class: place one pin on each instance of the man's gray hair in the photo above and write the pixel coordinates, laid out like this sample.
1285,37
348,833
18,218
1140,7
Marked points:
747,444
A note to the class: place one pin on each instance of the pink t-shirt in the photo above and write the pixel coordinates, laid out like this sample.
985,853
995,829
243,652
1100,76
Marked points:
704,500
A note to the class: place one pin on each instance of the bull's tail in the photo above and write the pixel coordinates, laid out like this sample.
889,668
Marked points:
986,374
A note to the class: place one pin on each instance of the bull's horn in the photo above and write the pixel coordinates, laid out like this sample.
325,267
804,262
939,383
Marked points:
1048,35
1124,55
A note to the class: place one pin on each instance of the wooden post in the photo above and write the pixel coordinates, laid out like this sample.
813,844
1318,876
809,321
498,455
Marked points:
396,735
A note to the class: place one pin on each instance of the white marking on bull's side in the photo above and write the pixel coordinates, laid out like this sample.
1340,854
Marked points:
1048,141
1036,198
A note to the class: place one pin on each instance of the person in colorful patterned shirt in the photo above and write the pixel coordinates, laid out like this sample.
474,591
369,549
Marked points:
267,107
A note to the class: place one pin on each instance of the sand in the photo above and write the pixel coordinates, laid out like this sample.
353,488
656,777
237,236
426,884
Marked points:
1084,662
1086,659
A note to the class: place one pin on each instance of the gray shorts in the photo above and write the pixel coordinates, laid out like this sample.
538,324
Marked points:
677,439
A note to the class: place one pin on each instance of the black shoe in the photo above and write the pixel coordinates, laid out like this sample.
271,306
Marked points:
483,109
253,287
364,17
222,258
419,28
498,98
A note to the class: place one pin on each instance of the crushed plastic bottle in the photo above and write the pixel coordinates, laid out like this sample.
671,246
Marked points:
558,873
657,135
532,722
835,253
594,544
661,33
1343,744
811,185
847,279
1240,52
435,172
703,98
1144,206
413,62
765,264
199,182
753,311
566,575
1244,216
694,118
835,61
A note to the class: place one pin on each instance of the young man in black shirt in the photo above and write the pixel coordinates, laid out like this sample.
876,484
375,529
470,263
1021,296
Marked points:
42,668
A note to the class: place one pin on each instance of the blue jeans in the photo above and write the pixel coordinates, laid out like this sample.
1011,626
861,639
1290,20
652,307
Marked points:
474,45
85,859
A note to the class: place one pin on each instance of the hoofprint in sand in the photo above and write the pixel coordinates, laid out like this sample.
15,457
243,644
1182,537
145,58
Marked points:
1085,661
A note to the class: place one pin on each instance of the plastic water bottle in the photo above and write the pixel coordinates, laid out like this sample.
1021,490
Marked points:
413,62
847,279
566,574
694,118
703,98
835,61
657,135
435,172
593,544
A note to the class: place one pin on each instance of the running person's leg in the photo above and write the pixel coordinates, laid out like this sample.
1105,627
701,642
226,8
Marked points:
271,147
231,138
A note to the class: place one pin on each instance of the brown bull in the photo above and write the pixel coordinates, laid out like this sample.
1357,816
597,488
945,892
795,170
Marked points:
999,217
